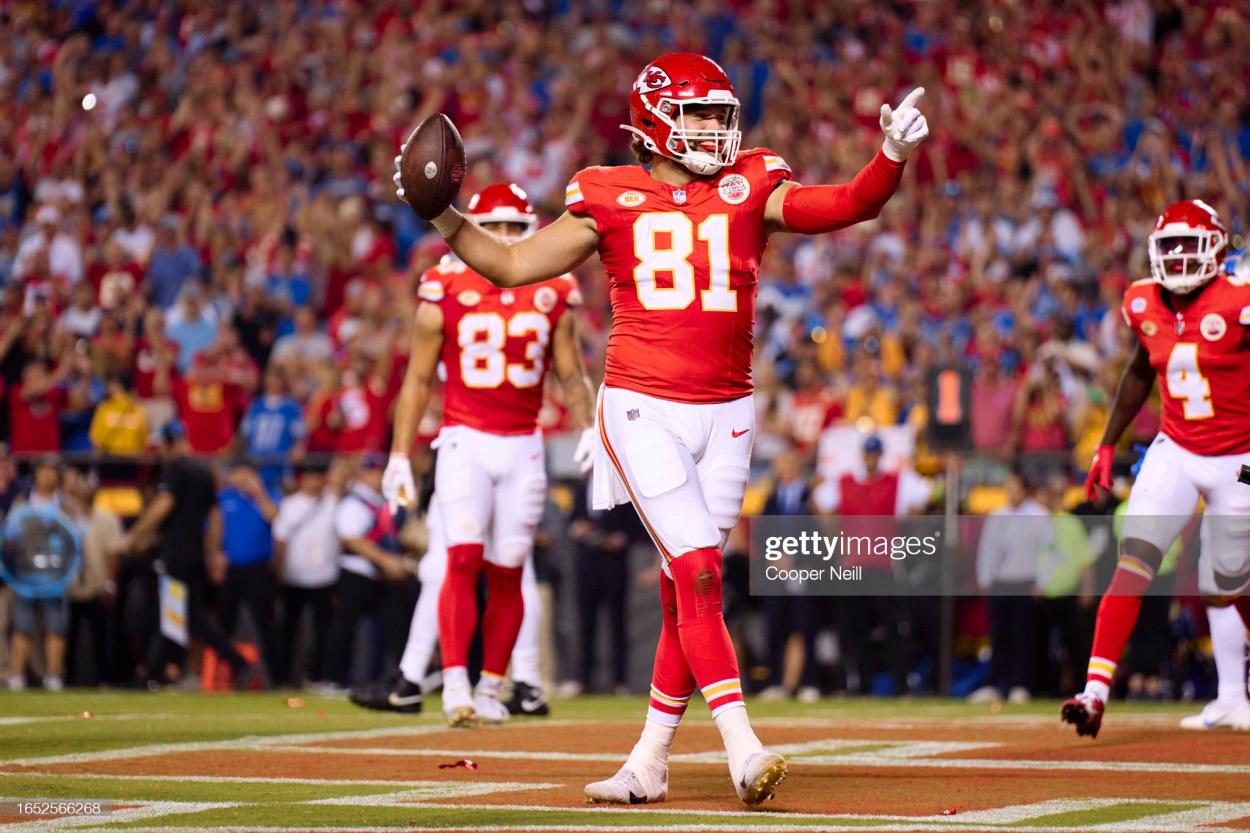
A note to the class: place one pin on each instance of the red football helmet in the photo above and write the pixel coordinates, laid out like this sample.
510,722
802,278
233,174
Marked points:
1187,246
502,202
664,88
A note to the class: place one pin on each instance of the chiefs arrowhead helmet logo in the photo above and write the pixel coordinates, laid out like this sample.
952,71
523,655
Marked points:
652,79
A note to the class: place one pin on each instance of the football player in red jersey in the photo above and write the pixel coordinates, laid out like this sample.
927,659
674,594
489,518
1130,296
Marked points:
1193,331
681,242
495,346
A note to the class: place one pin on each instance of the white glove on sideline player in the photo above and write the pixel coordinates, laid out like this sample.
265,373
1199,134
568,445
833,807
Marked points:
398,487
584,454
904,126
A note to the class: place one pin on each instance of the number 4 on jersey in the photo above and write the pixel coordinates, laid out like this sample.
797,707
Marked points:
1187,383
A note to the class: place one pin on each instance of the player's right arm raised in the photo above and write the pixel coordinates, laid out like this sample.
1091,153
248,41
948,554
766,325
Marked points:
553,250
398,486
1134,388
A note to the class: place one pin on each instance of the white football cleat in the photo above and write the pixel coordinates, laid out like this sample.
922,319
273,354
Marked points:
458,706
1215,715
489,709
763,772
626,787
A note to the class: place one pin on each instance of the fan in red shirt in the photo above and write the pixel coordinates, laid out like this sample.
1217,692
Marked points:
35,405
357,411
215,393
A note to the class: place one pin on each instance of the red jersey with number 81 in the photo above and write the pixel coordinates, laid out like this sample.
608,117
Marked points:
496,345
1199,345
682,265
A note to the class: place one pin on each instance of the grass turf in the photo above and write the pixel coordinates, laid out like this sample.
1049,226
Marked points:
36,725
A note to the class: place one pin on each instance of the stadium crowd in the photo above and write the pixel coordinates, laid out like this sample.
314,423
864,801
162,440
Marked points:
197,222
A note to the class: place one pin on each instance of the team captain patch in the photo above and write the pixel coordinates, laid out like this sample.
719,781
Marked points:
734,189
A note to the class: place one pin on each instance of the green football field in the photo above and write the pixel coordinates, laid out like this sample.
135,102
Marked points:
251,762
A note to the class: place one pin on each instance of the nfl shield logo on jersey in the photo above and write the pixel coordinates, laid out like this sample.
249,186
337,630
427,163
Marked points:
679,196
632,414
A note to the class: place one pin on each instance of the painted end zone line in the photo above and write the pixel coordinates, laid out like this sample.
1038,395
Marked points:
889,754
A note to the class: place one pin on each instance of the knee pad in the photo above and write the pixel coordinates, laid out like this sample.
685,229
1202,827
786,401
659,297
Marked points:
512,551
723,489
697,579
531,498
463,527
655,463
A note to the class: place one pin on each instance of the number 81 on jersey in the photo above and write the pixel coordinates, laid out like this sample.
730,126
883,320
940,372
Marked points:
674,258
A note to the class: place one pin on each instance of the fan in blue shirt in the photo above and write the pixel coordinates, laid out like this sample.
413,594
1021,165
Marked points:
273,429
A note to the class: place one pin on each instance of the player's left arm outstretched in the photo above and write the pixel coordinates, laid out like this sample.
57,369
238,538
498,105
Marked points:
566,362
815,209
398,486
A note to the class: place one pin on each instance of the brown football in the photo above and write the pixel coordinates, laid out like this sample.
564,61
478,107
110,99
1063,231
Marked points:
432,166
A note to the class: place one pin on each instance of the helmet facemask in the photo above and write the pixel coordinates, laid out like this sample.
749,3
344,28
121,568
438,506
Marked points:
686,146
1183,258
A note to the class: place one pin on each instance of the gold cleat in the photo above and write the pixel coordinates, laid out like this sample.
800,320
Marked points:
461,717
764,771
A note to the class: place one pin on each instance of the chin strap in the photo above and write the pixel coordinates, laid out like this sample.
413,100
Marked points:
705,169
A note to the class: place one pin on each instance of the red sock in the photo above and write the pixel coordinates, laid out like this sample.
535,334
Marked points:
1117,615
457,603
704,637
671,679
502,620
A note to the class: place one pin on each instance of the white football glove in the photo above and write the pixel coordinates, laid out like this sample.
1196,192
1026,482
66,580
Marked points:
904,127
399,184
584,454
398,487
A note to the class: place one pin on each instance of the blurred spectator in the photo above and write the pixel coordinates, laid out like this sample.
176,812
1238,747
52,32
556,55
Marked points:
247,508
173,263
1040,413
45,495
875,616
117,278
92,592
1007,571
306,343
1064,576
192,326
81,319
791,620
369,557
215,393
306,547
84,390
185,522
48,251
601,545
273,428
119,425
992,395
35,406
